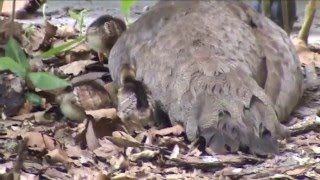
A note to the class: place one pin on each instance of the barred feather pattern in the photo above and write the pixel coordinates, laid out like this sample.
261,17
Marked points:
224,71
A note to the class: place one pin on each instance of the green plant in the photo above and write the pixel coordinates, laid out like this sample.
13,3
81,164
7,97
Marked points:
63,47
126,5
44,7
1,5
79,18
15,60
28,31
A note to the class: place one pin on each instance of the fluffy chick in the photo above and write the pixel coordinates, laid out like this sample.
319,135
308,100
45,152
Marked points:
135,103
69,107
103,33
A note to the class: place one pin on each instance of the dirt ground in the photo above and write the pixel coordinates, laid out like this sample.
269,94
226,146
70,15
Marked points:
123,157
96,8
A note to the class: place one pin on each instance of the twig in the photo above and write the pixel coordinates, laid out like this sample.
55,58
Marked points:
307,22
14,173
285,16
1,5
311,123
266,4
13,13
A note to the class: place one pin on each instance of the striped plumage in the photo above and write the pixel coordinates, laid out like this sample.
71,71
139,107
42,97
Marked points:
103,33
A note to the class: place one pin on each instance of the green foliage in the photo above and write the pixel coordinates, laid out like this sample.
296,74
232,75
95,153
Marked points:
79,18
16,62
63,47
14,51
47,81
34,99
7,63
126,6
29,31
73,15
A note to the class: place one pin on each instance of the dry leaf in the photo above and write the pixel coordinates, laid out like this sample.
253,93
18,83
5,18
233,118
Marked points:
175,152
41,141
98,129
175,176
102,176
315,149
7,28
281,176
110,113
175,130
173,170
123,176
91,137
34,40
83,47
73,151
118,163
78,52
123,139
66,31
297,171
40,38
107,149
146,154
76,67
28,176
58,155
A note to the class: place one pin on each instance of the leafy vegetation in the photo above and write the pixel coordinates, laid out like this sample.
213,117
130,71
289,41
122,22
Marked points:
63,47
126,6
79,18
17,62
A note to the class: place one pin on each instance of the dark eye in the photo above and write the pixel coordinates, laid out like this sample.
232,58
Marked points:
221,113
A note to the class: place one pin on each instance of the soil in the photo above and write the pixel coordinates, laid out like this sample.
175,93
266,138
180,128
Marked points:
299,156
58,9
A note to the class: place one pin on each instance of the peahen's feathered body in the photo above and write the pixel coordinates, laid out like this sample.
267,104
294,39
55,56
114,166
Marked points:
219,68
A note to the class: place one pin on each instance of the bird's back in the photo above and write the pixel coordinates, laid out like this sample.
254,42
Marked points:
218,67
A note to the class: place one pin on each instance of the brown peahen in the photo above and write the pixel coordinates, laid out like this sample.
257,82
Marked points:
219,68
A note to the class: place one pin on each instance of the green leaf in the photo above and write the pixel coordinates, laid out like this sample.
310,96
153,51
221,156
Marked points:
7,63
35,99
81,19
14,51
63,47
126,6
73,15
47,81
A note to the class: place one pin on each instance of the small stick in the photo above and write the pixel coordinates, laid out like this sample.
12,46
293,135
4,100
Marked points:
285,16
266,4
13,11
310,11
1,5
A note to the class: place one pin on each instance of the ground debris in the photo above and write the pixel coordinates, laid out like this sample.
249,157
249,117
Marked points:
101,147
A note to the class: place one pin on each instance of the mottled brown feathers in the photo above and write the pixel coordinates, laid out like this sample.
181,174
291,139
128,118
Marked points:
103,33
211,70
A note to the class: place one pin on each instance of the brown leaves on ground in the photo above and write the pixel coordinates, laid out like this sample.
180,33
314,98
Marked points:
306,55
99,145
6,30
